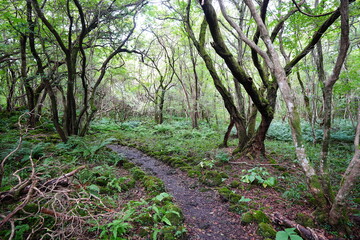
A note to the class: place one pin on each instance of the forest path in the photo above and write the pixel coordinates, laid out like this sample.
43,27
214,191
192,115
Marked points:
206,217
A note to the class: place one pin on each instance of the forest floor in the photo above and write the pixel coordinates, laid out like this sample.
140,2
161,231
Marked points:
206,210
122,191
205,215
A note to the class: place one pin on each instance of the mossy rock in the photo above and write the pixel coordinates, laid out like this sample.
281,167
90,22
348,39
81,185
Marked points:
305,220
247,217
153,185
234,184
266,230
260,217
211,178
228,195
128,165
137,173
193,173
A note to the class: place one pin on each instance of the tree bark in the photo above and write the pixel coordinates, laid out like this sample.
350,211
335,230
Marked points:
230,106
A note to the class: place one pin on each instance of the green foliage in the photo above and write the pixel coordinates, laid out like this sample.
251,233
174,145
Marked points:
288,234
342,130
115,229
80,146
258,175
222,157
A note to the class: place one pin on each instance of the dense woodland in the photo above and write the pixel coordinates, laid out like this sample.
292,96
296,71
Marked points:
254,101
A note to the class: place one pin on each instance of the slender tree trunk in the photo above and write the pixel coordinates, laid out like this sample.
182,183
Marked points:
12,84
228,133
350,177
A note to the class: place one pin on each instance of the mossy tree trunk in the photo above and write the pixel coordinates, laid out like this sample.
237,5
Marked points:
350,177
279,73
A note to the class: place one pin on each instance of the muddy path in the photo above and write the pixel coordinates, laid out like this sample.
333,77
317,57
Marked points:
206,217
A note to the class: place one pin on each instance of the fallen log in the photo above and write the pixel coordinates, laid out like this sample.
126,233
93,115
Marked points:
305,232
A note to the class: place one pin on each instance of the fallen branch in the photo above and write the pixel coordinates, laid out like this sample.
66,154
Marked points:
49,185
305,232
62,216
28,196
60,181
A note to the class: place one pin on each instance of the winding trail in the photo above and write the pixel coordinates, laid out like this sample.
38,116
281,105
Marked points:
206,217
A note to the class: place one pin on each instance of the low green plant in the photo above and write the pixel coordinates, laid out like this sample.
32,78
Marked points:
222,157
115,229
288,234
81,146
209,164
258,175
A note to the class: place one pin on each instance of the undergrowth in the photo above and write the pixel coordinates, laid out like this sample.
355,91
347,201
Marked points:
102,200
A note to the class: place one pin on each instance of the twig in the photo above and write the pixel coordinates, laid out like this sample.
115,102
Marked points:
63,216
28,196
12,228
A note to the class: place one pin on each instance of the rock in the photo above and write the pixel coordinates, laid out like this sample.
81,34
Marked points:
266,230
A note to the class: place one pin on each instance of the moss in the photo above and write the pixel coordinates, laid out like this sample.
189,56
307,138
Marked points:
137,173
260,217
211,179
228,195
238,208
305,220
224,193
128,165
153,185
247,217
234,184
174,214
266,230
194,173
224,175
320,216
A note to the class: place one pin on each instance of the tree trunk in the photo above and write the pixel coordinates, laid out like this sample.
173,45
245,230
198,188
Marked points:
350,177
294,119
228,133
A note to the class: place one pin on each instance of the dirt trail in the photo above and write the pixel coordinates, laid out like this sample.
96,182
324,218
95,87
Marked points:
206,217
